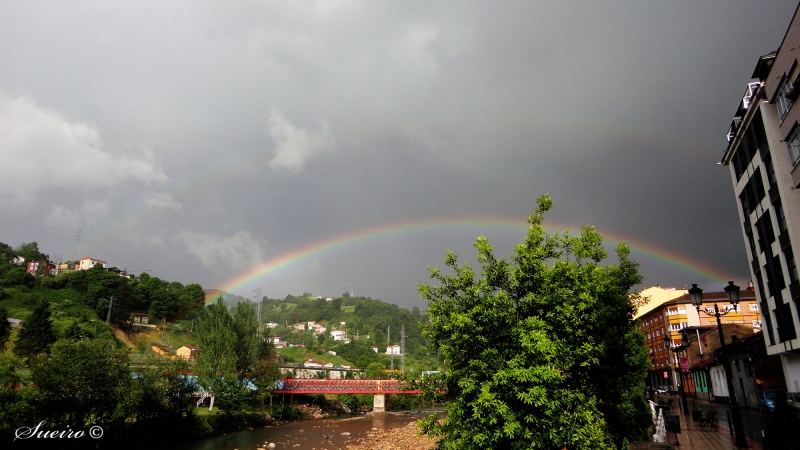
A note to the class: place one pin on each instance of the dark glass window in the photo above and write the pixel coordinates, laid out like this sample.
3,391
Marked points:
791,266
770,169
743,201
766,221
780,282
752,243
768,326
758,183
783,101
780,217
757,124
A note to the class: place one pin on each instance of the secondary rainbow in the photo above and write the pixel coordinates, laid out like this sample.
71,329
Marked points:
367,234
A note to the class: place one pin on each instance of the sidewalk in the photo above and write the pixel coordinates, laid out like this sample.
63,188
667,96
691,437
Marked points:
694,437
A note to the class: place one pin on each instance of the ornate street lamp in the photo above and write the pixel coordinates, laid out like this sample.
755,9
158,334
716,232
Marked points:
650,373
696,295
676,349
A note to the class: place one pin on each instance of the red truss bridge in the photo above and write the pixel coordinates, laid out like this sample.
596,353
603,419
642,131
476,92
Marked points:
325,386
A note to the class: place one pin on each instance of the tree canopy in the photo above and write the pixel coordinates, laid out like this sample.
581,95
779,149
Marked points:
539,350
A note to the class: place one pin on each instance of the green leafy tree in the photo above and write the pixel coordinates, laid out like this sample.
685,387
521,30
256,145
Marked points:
245,325
75,332
84,383
266,371
161,395
5,326
539,350
191,298
37,333
216,365
374,371
30,251
17,276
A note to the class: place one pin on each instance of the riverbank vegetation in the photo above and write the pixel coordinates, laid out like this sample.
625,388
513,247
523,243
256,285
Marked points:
76,361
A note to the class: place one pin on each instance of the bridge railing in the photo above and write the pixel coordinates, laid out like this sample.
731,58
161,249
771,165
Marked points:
325,386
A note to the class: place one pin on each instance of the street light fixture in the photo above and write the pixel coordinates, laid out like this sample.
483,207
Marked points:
696,295
675,351
652,379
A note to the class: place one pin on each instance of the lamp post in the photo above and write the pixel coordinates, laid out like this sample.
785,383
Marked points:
650,375
675,350
696,294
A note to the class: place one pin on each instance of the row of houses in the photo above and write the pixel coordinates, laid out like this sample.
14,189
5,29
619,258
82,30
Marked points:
684,346
186,352
49,267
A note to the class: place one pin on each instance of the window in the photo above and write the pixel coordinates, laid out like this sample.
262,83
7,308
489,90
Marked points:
793,142
792,266
783,101
779,214
752,243
780,283
758,183
770,171
769,232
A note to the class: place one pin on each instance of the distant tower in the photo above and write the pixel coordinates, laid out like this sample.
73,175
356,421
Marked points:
75,252
258,297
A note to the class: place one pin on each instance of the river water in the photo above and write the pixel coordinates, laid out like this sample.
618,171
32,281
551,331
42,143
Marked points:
310,433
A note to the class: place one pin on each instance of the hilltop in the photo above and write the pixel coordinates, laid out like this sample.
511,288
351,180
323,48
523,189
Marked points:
356,329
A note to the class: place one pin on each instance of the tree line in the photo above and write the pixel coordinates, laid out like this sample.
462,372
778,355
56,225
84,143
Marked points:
78,374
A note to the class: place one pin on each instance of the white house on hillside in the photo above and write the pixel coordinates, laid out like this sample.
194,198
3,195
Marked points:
87,263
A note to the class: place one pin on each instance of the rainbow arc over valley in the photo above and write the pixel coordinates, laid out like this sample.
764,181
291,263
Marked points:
303,253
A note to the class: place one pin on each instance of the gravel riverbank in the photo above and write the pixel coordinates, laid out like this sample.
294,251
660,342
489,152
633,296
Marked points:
402,438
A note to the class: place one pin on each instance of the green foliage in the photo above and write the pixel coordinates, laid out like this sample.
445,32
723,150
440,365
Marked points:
37,333
230,352
75,332
84,382
216,364
30,251
375,371
539,349
5,326
17,276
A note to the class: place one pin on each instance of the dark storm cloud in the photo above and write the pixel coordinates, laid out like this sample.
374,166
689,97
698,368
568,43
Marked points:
199,139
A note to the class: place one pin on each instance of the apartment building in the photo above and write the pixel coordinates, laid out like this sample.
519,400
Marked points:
762,153
662,325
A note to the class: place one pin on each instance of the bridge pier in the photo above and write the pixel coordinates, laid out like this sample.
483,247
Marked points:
379,403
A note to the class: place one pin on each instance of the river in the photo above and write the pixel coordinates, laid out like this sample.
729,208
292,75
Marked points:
310,433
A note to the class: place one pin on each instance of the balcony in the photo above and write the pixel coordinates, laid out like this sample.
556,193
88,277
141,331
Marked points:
749,94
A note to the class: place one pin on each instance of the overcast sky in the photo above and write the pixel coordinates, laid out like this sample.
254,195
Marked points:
198,140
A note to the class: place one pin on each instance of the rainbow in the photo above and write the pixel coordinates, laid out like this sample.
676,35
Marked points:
298,255
184,189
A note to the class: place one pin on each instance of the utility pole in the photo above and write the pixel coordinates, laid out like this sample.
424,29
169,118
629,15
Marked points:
75,252
259,296
402,348
389,345
110,304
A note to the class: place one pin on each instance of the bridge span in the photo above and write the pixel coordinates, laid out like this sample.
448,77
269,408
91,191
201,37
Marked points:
379,388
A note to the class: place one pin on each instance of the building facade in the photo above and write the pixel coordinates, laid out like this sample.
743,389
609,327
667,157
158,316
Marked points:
763,152
662,326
